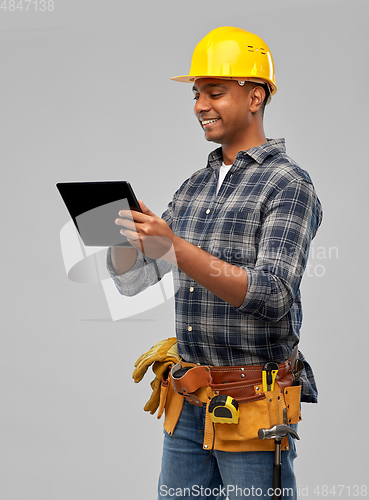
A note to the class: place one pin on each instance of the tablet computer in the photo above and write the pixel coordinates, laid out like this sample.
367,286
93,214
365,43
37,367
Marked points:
94,207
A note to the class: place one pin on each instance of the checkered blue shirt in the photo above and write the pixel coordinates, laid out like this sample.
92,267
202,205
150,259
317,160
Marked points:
262,219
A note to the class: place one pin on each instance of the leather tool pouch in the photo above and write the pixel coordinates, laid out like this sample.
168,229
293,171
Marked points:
186,384
271,408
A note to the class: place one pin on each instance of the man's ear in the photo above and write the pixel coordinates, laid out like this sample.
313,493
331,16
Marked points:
257,97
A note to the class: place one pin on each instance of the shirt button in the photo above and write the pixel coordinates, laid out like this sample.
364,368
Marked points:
189,328
208,211
192,289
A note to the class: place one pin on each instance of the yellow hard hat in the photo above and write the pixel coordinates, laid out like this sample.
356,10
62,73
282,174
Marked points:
232,53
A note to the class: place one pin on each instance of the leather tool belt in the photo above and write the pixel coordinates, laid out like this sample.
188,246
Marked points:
243,383
257,408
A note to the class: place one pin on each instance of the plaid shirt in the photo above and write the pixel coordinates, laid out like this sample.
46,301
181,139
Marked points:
262,219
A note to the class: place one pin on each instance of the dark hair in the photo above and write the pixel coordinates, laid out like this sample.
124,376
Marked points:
265,86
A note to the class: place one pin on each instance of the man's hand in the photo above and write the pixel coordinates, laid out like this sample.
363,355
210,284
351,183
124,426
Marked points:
147,233
151,235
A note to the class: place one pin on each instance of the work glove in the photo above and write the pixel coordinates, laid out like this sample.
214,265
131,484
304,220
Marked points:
162,355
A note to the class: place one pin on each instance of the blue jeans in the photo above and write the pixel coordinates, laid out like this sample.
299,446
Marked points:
226,474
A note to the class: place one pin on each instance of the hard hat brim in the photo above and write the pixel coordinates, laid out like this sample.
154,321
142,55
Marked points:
192,79
184,78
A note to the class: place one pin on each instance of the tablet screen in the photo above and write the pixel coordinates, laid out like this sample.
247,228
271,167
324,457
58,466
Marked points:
94,206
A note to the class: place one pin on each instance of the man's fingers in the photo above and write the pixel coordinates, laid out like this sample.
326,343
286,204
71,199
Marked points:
125,214
133,215
133,239
128,223
131,235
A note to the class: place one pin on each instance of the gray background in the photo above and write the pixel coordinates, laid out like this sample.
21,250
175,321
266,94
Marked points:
86,95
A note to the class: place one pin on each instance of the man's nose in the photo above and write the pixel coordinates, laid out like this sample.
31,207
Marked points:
202,105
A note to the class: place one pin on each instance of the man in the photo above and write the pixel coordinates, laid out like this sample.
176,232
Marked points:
238,232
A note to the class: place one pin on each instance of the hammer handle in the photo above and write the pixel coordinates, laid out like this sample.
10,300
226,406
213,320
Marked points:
277,482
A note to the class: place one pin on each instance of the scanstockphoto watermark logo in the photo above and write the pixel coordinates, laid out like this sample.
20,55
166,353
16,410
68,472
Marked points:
223,492
88,264
277,260
315,491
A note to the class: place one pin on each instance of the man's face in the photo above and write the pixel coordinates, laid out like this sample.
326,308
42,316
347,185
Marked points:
222,108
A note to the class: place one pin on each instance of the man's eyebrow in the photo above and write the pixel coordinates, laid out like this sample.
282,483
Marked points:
209,85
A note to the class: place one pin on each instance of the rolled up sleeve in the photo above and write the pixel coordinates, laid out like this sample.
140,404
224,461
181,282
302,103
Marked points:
290,222
144,273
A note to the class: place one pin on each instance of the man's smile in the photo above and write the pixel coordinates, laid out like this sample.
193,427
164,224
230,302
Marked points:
208,122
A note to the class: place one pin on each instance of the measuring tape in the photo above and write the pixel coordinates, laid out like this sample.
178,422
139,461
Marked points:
223,409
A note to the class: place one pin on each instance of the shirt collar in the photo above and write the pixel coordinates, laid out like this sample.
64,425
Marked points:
259,153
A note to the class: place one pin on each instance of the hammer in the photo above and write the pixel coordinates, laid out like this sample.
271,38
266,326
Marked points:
277,432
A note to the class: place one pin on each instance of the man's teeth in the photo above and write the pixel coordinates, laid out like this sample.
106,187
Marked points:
205,122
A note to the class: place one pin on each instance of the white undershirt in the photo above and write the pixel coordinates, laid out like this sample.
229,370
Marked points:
222,173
